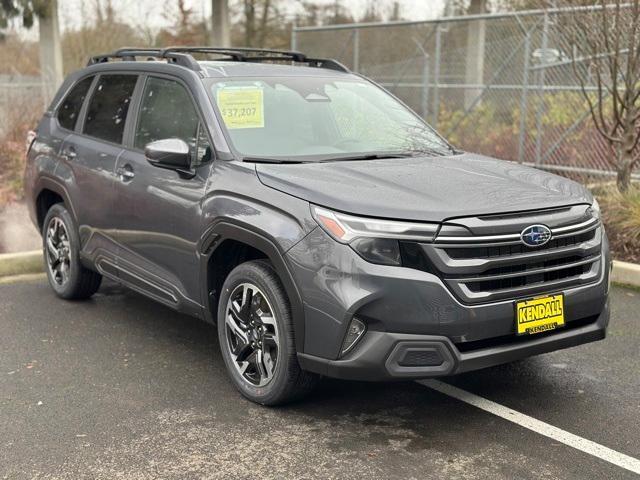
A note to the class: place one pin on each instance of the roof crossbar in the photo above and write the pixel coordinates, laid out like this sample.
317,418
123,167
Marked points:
241,54
182,56
130,54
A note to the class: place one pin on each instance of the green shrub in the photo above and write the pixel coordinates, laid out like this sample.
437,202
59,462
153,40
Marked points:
623,212
621,216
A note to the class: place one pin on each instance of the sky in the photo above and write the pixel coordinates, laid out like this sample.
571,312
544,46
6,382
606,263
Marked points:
158,13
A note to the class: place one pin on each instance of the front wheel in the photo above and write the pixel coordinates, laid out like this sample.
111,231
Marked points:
255,332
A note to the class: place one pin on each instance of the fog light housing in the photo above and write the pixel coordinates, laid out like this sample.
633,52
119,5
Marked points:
354,333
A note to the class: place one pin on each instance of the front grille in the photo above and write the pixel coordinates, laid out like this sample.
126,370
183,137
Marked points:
421,358
486,268
536,275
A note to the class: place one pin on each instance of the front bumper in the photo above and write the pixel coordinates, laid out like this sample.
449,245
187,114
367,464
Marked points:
407,309
380,356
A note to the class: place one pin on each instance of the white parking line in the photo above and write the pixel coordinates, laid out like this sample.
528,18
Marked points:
562,436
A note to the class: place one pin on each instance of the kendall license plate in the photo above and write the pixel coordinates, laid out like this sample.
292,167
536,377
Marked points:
539,314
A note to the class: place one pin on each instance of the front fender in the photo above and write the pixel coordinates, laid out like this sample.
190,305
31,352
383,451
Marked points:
241,232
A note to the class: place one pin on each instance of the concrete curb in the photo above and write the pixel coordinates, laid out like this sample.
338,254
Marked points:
11,264
626,273
24,278
21,263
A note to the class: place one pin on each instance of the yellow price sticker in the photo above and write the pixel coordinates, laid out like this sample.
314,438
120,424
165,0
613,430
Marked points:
241,107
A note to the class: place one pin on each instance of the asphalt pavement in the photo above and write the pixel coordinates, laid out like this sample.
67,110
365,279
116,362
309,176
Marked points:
119,387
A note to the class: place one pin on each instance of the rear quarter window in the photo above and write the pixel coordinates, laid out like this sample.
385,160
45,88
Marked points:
108,107
70,108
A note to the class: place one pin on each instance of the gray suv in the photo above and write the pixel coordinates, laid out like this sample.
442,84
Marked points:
321,224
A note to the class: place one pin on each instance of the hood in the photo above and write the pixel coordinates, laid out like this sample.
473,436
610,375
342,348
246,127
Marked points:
430,189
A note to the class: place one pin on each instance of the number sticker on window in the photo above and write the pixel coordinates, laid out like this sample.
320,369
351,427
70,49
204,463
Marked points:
241,107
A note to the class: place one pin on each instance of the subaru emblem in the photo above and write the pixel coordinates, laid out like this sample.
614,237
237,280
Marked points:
535,235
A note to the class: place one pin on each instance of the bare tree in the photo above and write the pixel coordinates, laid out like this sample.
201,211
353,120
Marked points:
262,23
249,22
605,54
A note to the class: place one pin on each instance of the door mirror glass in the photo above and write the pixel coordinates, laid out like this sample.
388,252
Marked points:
172,153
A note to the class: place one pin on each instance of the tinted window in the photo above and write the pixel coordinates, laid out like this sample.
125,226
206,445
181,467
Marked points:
70,108
109,106
167,111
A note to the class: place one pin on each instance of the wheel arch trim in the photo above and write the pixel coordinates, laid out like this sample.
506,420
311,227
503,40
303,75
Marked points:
47,183
238,231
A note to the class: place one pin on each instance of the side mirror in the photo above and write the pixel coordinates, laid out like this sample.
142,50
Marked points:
170,153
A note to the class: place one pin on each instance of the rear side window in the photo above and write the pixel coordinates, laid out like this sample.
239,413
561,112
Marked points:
108,107
70,108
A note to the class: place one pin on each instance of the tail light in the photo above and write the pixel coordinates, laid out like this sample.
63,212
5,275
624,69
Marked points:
31,137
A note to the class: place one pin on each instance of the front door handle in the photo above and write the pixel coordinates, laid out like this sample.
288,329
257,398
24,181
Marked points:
125,173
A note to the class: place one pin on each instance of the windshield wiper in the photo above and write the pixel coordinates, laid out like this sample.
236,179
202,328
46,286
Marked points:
368,156
269,160
364,156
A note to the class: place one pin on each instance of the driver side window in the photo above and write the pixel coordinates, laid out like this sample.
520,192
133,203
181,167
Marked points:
167,111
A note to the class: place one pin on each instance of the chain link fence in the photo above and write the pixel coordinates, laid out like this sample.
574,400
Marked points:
498,84
21,97
22,101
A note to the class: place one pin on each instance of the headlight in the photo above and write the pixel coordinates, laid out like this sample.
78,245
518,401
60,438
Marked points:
385,251
373,239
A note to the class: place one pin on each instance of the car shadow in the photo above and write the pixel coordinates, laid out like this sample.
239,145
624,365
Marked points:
330,396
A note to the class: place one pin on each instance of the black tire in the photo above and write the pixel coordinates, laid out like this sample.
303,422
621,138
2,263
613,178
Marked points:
288,381
79,282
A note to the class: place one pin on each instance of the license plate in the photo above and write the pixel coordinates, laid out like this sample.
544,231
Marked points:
539,314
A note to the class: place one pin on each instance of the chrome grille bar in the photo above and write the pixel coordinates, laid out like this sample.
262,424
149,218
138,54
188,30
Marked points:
515,237
524,273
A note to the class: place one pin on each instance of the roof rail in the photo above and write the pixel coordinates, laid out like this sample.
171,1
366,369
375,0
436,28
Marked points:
130,54
241,54
182,56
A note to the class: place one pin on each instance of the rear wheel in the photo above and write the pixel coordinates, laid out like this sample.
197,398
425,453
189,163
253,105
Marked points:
61,248
255,331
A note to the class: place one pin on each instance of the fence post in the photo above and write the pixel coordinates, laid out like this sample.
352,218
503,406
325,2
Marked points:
425,87
436,78
523,98
294,37
474,63
356,49
541,82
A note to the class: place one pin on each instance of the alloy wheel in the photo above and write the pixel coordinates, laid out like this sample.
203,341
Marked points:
58,251
252,334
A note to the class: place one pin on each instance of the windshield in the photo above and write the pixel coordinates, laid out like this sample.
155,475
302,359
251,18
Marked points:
316,119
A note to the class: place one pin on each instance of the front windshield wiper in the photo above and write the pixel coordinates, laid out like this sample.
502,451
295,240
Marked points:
269,160
364,156
348,158
368,156
434,152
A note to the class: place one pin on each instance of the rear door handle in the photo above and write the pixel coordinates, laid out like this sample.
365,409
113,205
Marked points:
125,173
